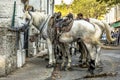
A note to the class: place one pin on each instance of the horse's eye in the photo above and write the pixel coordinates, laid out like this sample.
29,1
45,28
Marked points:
27,19
21,17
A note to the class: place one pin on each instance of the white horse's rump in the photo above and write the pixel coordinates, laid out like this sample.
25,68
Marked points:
40,21
104,27
90,33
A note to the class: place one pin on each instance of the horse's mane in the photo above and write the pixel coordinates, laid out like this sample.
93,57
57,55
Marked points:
51,22
39,13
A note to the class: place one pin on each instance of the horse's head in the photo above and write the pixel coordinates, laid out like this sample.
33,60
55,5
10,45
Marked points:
27,19
52,21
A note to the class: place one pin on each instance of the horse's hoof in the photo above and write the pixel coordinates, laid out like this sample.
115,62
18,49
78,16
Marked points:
60,57
91,71
46,59
83,65
80,61
69,69
54,64
99,66
49,66
63,68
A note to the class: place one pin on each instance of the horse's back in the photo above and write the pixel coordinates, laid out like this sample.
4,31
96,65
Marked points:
96,21
82,24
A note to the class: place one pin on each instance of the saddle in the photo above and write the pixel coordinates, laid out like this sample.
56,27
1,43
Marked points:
86,19
64,25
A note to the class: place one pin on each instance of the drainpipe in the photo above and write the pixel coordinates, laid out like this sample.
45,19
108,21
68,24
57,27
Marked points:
53,3
13,16
40,5
48,7
13,24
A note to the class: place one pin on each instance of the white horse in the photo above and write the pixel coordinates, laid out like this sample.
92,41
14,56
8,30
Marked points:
104,28
41,22
90,33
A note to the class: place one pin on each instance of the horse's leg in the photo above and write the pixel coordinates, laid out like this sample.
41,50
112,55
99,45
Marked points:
41,44
63,57
69,56
69,61
71,48
81,55
91,51
63,62
82,50
98,61
51,54
75,48
57,53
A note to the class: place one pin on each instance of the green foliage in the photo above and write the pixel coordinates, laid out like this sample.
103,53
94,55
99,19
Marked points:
110,2
89,8
65,9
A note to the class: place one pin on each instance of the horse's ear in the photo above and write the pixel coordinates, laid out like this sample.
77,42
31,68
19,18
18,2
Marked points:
23,10
32,9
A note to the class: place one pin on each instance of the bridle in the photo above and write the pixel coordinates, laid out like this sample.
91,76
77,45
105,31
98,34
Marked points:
25,26
28,23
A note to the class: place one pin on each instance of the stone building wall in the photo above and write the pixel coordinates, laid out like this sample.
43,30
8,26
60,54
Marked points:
8,58
6,8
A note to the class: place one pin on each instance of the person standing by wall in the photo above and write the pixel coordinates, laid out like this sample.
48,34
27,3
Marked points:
118,38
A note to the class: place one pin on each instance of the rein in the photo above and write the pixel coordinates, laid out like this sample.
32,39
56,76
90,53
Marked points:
30,15
43,23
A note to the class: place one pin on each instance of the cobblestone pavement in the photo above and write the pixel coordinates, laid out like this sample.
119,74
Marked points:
34,69
110,62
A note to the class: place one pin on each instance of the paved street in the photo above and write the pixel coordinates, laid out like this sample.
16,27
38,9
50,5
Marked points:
111,64
35,69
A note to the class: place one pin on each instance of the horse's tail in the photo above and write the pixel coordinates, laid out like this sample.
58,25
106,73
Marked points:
108,32
102,45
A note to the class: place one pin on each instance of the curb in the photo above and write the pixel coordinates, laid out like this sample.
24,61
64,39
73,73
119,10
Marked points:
111,47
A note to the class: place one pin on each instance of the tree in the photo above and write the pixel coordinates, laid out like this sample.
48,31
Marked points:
110,2
89,8
64,8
